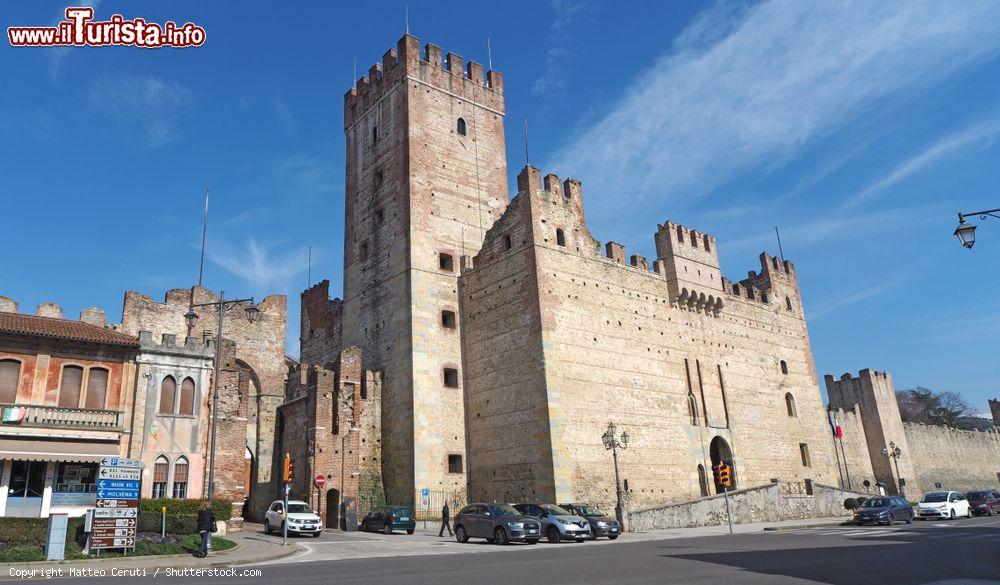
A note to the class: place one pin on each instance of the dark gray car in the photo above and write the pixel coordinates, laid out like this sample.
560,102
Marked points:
557,524
497,523
600,523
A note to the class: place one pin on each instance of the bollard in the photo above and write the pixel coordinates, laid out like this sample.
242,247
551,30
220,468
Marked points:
163,522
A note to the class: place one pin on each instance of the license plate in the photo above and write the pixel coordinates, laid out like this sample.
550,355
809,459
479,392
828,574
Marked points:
404,519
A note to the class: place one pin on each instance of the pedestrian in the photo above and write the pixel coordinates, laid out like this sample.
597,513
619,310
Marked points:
206,526
445,521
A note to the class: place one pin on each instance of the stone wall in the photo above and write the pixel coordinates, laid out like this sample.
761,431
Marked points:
958,460
853,457
559,340
766,503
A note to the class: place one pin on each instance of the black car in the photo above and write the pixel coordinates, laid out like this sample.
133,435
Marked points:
884,510
497,523
984,502
600,523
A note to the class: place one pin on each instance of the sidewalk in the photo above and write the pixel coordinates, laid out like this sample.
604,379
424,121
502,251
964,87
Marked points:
251,548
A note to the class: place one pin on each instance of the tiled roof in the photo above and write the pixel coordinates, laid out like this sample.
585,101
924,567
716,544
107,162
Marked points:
62,329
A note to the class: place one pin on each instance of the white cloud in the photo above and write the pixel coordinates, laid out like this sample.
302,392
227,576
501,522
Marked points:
780,76
853,296
57,54
553,79
979,132
148,102
266,270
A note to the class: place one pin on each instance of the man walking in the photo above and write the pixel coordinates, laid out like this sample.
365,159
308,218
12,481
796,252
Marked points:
445,521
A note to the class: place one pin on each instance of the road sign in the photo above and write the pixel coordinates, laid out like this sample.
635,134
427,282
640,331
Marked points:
121,473
115,513
117,484
120,462
111,494
116,503
114,522
320,481
113,533
425,498
111,542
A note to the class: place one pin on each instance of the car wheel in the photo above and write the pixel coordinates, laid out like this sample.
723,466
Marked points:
990,512
267,527
909,519
952,513
409,531
612,536
968,512
316,534
460,534
892,520
500,535
552,534
387,529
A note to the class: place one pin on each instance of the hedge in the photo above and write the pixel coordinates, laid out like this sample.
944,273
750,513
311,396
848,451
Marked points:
31,531
150,522
223,508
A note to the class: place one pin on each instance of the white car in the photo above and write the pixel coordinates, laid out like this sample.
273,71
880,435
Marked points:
301,518
946,505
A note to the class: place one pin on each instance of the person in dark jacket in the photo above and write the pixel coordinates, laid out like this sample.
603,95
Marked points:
445,521
206,526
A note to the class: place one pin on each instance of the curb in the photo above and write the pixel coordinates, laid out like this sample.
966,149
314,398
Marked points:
168,561
800,526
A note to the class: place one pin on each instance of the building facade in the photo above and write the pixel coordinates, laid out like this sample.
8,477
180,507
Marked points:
66,393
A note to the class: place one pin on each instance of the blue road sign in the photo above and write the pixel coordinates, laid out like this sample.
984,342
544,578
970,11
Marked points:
113,494
117,484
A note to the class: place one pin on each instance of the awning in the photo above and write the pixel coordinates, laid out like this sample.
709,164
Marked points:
69,451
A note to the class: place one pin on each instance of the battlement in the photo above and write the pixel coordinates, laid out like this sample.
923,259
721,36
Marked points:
168,343
423,66
676,239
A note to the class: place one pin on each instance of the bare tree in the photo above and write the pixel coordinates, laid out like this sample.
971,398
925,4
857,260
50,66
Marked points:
923,405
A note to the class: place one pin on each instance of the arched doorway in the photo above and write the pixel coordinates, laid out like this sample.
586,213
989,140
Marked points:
332,508
720,452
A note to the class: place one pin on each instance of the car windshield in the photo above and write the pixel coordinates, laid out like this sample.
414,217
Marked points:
589,511
554,510
504,510
935,497
299,509
877,503
401,511
978,495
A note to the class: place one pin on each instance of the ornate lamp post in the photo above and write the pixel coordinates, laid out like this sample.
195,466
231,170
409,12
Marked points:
612,442
893,453
191,317
966,232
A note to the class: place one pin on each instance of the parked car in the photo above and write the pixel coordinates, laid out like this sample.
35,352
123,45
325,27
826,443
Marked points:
984,503
556,523
497,523
301,518
600,523
884,510
388,519
943,505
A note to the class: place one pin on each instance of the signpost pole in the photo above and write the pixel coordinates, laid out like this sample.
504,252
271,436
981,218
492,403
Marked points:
729,514
284,517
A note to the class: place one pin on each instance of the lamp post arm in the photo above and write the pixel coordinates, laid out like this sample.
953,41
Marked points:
982,214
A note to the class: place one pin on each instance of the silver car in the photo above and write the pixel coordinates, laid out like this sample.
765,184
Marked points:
557,523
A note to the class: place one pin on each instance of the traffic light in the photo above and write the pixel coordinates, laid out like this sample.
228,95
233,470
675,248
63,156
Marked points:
724,475
288,470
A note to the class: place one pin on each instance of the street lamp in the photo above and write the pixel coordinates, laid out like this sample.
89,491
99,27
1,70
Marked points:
191,317
966,232
612,442
893,453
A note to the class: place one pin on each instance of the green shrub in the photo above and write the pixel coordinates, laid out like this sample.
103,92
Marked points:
223,508
851,504
861,500
176,524
23,531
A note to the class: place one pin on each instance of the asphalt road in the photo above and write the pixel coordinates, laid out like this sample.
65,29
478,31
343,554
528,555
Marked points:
924,552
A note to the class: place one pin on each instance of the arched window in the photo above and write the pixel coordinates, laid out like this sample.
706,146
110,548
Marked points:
460,126
784,367
692,408
187,397
69,387
168,390
161,468
790,404
374,133
560,237
10,371
180,485
788,303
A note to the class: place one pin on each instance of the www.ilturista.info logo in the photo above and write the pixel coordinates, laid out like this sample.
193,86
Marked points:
80,30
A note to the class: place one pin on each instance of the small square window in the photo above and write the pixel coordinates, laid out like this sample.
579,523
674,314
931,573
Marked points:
506,243
448,319
455,464
364,252
446,262
451,377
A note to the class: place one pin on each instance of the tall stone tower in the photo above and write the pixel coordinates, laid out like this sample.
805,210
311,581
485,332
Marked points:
995,409
875,396
426,176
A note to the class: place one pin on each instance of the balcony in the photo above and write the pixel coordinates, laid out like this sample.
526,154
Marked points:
54,417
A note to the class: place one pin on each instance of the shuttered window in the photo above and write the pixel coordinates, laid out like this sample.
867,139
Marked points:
187,397
168,388
160,471
97,389
69,388
180,478
10,370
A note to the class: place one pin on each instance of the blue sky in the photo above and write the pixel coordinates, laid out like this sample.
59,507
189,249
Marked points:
859,128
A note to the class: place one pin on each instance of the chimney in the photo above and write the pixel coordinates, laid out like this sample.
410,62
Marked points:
49,310
92,315
7,305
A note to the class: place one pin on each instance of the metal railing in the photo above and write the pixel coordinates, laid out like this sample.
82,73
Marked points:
41,416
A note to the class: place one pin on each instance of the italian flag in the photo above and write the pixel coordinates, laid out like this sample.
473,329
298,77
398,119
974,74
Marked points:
835,426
